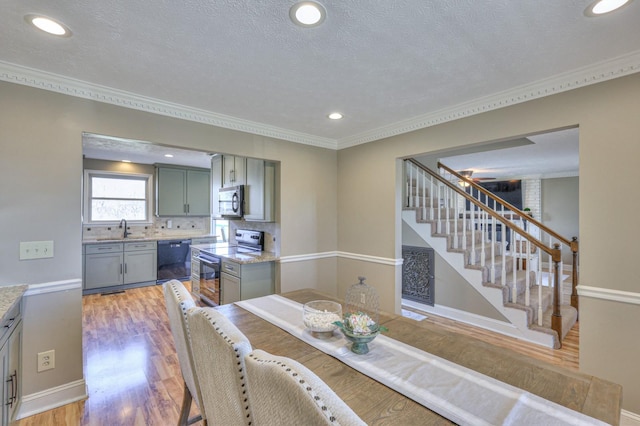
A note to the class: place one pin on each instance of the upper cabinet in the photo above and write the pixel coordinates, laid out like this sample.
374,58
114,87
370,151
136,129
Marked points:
259,197
182,191
233,170
259,180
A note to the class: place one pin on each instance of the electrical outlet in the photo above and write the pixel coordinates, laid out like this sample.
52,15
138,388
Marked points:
46,360
36,249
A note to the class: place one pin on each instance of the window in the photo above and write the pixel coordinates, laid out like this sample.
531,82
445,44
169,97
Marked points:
111,196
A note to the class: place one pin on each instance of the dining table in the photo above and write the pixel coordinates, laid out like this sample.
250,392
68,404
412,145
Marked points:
376,403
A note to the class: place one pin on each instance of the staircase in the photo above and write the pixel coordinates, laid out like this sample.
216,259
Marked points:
476,244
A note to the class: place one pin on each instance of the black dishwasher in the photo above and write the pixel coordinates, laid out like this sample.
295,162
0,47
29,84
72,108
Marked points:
174,260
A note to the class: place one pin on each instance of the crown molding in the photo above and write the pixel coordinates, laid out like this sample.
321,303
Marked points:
603,71
596,73
57,83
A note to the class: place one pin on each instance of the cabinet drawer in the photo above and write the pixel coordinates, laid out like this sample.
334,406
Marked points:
231,268
103,248
140,245
11,318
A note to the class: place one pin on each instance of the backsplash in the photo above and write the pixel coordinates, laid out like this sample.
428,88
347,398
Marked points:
271,232
180,227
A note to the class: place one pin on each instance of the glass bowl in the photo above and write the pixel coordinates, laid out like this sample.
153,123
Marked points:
319,317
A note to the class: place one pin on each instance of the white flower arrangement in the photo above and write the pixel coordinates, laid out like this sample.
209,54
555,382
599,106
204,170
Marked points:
359,323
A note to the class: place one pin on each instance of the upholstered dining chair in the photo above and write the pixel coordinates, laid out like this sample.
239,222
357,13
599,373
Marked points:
179,302
219,349
284,392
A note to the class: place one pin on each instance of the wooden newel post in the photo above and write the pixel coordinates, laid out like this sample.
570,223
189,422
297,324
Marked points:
556,317
574,276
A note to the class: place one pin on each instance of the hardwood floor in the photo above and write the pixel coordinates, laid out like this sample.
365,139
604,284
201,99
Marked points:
132,372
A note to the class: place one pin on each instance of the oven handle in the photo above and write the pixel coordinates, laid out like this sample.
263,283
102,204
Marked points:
209,261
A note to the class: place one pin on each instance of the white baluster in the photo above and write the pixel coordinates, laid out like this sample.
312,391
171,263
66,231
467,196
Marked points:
431,194
539,280
455,220
527,294
515,276
472,259
464,224
493,250
483,256
438,215
447,200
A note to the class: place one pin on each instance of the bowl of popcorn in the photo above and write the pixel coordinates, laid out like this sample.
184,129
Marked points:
319,317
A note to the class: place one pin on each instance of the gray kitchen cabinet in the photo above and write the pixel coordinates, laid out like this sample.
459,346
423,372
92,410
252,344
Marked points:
182,191
10,355
233,170
103,265
216,184
246,281
140,262
259,195
113,265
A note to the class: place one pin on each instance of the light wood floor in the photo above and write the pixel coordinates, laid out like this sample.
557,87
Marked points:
132,372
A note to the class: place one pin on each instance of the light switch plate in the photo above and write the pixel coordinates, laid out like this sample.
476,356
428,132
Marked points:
36,249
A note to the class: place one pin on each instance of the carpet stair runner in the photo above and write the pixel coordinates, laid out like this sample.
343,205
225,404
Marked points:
442,226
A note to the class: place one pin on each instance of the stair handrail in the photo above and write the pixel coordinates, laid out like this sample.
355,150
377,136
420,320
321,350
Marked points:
555,252
573,244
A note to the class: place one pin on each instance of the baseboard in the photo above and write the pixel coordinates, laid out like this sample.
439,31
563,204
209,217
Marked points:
627,418
52,398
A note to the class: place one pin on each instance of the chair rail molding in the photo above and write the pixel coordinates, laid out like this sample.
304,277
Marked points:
341,254
609,294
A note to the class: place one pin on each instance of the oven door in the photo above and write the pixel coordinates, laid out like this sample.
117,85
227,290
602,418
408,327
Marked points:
210,280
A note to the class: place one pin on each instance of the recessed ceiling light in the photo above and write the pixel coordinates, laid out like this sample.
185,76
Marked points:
307,13
126,161
48,25
169,155
335,116
600,7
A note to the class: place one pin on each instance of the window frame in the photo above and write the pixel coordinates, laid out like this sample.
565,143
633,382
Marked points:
89,174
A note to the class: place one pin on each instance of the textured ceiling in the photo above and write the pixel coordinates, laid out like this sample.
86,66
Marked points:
388,66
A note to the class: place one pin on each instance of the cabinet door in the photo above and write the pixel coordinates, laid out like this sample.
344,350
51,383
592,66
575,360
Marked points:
14,377
230,288
171,192
103,270
233,170
5,390
140,266
198,193
216,184
259,200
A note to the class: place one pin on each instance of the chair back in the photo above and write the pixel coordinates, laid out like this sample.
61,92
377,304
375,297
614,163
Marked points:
219,349
179,302
284,392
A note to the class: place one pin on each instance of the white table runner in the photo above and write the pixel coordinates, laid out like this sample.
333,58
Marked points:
461,395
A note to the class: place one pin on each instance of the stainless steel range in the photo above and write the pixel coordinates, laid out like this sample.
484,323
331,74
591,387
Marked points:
210,263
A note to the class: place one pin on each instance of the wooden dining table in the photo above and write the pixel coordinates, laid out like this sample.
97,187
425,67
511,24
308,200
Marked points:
377,404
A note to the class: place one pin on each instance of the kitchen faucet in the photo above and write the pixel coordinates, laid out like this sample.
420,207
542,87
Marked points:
124,235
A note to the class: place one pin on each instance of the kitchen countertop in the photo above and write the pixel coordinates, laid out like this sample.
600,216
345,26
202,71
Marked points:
9,297
138,239
226,251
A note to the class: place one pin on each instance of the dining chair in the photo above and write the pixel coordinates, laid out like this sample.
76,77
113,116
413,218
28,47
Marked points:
219,349
284,392
179,302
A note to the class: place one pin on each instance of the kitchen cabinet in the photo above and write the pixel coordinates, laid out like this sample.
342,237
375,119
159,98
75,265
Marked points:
233,170
10,355
216,184
182,191
115,265
246,281
259,194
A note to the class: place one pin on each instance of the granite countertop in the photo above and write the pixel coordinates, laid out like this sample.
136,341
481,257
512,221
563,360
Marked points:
9,297
138,239
228,252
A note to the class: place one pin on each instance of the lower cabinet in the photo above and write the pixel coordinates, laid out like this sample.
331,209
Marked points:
246,281
110,265
10,353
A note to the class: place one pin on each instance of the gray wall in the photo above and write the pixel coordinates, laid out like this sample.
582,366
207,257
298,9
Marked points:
369,219
451,289
560,208
41,199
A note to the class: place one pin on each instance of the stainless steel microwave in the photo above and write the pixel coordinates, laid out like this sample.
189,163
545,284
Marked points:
231,201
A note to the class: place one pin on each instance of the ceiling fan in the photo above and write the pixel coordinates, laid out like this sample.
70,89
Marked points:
467,174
